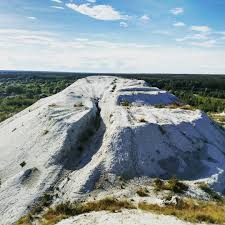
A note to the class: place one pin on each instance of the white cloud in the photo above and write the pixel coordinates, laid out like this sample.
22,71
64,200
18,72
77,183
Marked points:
194,37
36,50
179,24
91,1
57,1
123,24
145,18
205,44
200,28
31,18
57,7
177,11
99,12
162,32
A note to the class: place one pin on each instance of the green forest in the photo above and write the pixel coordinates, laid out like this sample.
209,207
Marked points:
204,92
16,95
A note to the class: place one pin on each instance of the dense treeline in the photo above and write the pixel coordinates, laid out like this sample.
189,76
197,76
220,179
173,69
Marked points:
19,90
204,92
16,95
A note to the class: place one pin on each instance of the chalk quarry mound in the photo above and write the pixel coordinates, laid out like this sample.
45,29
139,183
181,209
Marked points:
99,126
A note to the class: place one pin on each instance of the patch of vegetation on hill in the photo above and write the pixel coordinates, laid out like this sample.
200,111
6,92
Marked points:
65,210
190,210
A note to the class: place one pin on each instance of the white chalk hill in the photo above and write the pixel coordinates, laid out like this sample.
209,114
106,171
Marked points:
103,125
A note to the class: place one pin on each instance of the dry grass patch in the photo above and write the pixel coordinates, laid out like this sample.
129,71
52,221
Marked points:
62,211
80,104
176,105
25,220
52,105
180,106
194,211
219,118
66,210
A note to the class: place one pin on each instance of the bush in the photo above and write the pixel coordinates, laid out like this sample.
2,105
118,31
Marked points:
80,104
159,185
142,192
22,164
176,186
203,186
142,120
45,132
125,103
173,185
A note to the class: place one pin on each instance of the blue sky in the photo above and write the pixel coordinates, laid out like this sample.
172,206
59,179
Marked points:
173,36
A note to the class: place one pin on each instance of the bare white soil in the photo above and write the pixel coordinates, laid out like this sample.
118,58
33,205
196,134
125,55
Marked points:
126,217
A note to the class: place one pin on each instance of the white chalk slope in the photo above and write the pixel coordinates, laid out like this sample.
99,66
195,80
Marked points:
67,141
126,217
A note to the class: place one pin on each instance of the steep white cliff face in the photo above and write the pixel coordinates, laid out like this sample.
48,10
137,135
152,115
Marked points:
103,125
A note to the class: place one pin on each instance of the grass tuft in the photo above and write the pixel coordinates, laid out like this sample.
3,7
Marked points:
194,211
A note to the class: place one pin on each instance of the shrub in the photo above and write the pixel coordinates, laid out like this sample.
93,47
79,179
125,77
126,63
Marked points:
159,106
45,132
46,199
176,186
4,116
52,105
173,185
22,164
80,104
142,192
125,103
158,185
203,186
142,120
